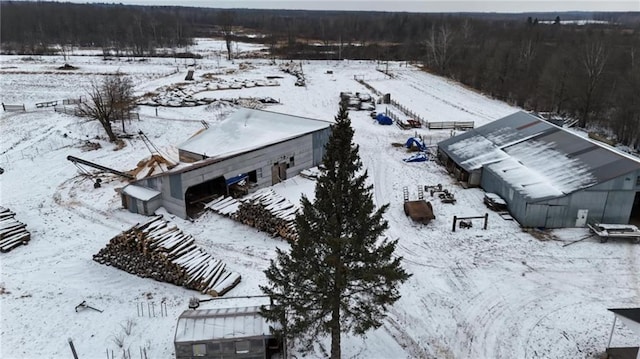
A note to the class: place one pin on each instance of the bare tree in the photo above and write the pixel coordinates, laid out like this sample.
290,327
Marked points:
225,22
439,46
109,101
593,60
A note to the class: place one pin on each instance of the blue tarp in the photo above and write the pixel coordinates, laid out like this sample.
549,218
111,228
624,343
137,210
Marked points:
383,119
236,179
417,142
418,157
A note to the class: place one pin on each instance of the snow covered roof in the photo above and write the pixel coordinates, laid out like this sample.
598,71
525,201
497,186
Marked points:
141,193
630,317
538,159
221,324
249,129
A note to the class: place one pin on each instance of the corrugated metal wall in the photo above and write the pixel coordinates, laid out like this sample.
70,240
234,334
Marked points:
307,151
609,202
320,139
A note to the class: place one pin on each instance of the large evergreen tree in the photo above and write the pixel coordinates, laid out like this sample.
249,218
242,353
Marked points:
339,276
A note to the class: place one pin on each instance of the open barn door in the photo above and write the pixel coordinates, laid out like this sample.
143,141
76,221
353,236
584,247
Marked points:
278,173
634,218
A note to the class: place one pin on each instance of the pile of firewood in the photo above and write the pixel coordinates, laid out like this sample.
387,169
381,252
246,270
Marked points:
264,210
159,250
13,233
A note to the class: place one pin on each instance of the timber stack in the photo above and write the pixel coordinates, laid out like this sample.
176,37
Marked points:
159,250
13,233
265,210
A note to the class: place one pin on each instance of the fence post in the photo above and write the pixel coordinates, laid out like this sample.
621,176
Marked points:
453,229
73,349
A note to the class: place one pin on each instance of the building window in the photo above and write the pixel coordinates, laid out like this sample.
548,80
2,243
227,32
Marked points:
638,181
242,347
199,350
259,172
291,161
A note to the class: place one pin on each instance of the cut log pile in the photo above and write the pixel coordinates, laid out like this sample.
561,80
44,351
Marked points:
159,250
13,233
264,210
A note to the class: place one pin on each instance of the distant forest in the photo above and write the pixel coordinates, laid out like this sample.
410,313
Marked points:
542,62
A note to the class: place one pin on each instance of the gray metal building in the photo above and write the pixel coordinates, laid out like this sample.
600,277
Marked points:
260,148
233,333
549,177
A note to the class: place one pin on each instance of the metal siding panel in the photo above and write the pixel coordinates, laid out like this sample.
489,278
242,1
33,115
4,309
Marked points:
175,184
536,215
319,141
593,201
556,216
618,207
133,204
175,206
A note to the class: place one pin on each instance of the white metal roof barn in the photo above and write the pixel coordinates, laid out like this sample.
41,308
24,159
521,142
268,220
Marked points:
549,177
255,147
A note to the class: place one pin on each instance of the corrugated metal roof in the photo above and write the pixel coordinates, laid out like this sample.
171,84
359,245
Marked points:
221,324
141,193
537,158
248,129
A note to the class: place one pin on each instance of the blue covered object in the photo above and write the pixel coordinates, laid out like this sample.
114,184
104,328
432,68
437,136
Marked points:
383,119
418,157
236,179
417,142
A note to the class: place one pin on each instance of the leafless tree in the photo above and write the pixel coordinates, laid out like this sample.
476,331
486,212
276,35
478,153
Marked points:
225,22
109,101
439,47
594,59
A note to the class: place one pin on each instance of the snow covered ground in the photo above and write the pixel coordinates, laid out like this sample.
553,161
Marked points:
495,293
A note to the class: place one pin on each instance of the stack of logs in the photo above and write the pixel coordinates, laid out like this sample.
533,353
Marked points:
264,210
159,250
13,233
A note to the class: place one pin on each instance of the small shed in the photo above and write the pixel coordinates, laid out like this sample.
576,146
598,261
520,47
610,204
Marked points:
631,319
225,333
141,200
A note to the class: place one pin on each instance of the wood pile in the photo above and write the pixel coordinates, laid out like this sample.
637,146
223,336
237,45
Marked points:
159,250
13,233
264,210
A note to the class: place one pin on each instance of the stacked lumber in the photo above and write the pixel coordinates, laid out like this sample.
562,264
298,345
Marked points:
13,233
159,250
265,210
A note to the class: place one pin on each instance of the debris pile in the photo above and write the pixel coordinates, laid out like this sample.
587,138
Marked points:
159,250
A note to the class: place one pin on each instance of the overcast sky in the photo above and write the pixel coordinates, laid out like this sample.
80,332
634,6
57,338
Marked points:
410,6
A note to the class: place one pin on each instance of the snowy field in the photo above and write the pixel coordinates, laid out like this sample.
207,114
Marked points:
495,293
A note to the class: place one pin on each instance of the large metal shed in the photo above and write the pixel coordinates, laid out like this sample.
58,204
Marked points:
253,147
548,176
230,333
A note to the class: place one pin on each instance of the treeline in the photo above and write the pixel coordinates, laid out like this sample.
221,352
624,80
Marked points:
45,27
589,72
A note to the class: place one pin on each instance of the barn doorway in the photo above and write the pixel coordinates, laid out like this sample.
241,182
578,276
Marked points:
634,218
197,196
278,173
